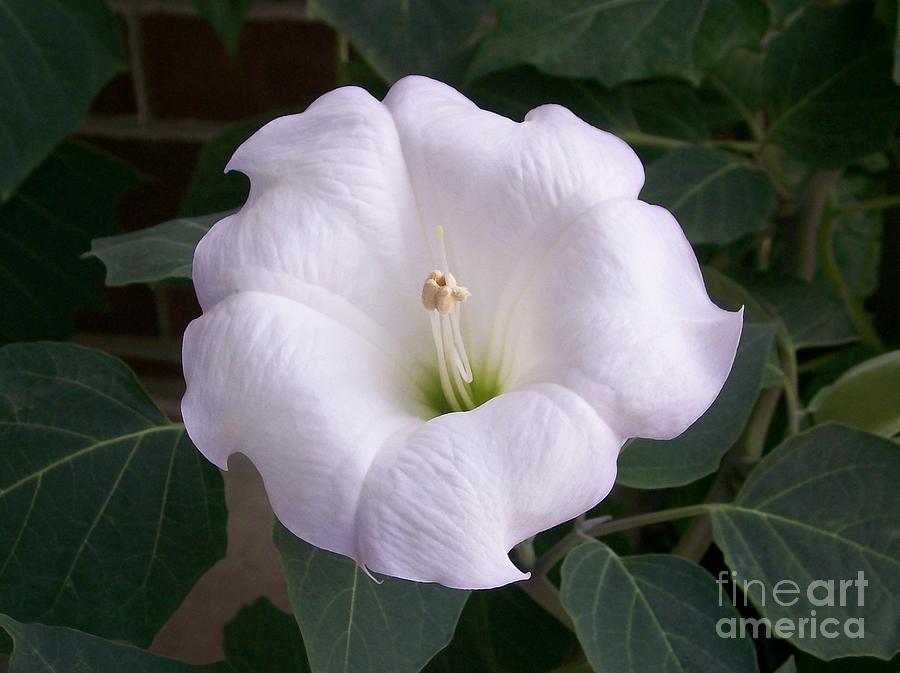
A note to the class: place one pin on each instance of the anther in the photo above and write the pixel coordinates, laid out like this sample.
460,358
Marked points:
440,292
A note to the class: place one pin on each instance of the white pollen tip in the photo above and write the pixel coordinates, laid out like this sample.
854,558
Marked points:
440,230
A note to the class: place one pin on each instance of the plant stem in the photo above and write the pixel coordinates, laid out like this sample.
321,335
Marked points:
801,229
753,439
836,279
605,526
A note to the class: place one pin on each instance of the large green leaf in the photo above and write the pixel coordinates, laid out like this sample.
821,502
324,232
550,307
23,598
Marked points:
827,85
110,515
650,463
399,37
502,631
665,108
226,18
821,509
44,228
155,253
812,315
53,649
649,613
54,58
866,396
263,639
615,41
716,197
350,624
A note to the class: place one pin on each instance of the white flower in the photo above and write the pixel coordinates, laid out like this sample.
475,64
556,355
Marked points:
588,323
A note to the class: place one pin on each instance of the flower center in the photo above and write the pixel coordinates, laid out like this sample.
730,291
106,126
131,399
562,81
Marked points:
442,296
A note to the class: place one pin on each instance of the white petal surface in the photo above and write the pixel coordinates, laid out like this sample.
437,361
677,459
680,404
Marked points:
447,502
310,354
306,399
330,211
501,188
618,313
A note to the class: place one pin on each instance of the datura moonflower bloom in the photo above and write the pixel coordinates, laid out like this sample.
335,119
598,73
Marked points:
432,328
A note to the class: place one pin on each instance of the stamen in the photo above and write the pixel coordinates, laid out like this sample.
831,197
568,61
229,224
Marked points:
461,357
447,334
442,363
442,295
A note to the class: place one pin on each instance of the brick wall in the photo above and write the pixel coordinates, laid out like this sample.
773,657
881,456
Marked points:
182,89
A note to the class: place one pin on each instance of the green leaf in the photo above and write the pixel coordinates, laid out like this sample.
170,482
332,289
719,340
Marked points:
54,58
856,236
110,515
350,624
822,506
650,463
399,37
827,86
736,82
211,189
812,315
866,396
728,25
502,631
649,613
52,649
155,253
808,664
788,666
44,228
665,108
226,18
263,639
716,197
616,41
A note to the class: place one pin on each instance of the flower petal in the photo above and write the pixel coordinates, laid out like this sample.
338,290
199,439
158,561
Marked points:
617,312
446,502
330,211
499,187
306,399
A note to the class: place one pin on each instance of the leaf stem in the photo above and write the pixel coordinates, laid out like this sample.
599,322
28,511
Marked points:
600,526
664,142
878,203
